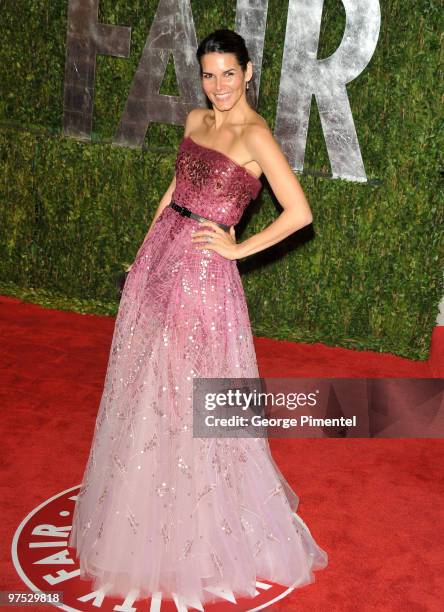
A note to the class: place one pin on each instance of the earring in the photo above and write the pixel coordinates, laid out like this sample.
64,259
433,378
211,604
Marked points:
248,84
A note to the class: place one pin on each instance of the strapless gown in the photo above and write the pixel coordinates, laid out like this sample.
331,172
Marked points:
159,510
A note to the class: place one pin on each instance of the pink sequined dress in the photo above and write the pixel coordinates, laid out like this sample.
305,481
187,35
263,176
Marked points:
160,511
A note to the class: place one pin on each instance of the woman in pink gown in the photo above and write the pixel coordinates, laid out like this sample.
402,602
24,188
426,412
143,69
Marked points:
160,511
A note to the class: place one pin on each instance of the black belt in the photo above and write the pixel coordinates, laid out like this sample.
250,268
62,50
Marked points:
186,212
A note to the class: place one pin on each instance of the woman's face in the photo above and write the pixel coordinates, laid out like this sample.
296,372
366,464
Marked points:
223,79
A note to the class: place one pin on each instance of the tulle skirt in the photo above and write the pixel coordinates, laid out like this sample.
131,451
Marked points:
159,510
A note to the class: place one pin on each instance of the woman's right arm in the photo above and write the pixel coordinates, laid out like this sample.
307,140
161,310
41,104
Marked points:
166,199
193,117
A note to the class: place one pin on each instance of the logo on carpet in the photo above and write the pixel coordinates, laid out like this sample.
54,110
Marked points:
46,564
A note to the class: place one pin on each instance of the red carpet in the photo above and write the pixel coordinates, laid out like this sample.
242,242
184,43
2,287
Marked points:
374,505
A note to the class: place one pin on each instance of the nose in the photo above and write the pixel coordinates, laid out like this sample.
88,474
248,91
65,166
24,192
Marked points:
219,84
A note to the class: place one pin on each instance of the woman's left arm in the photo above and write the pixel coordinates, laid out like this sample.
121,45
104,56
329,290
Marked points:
286,187
296,214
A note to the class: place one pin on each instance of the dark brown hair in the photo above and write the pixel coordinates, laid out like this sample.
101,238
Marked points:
228,41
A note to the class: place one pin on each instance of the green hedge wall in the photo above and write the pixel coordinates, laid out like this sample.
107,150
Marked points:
367,274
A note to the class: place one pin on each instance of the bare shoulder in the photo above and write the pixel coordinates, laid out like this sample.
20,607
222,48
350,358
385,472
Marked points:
263,146
266,151
195,118
258,134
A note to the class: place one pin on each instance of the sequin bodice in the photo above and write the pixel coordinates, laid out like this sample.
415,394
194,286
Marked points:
211,184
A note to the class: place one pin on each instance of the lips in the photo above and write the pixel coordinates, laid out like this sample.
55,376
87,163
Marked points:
222,96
